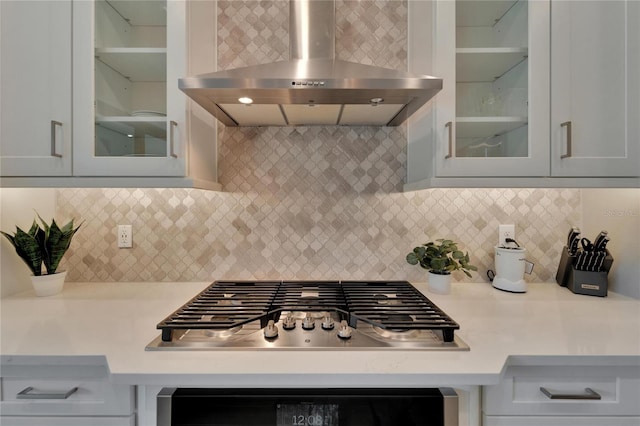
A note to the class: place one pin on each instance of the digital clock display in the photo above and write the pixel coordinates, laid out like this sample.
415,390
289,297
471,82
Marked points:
307,414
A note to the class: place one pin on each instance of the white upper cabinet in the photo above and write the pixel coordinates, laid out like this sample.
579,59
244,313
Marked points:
492,113
537,93
595,96
35,88
130,118
89,93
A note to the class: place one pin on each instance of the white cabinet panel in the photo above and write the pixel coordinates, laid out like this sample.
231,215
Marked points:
91,397
595,64
559,421
35,88
518,399
68,421
52,391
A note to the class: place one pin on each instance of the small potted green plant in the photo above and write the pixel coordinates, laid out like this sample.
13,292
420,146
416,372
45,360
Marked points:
44,245
440,258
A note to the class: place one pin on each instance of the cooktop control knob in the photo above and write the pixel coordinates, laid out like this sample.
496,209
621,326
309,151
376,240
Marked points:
327,322
270,331
289,322
344,331
308,323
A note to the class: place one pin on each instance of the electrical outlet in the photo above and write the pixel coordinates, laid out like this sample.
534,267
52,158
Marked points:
504,232
125,236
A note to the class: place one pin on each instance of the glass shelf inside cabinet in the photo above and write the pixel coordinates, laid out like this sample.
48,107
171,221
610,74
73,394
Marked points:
487,64
491,78
485,127
131,137
130,78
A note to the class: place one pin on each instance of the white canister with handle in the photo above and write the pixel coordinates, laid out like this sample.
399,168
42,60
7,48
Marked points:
510,267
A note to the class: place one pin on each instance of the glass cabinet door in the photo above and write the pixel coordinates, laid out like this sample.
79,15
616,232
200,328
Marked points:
491,79
490,115
130,78
129,116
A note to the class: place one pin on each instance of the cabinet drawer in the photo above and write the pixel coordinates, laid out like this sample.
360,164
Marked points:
67,421
520,391
559,421
41,397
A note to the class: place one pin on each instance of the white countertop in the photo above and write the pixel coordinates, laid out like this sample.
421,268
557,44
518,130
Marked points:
113,322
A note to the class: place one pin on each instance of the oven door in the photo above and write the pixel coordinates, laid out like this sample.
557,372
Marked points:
307,407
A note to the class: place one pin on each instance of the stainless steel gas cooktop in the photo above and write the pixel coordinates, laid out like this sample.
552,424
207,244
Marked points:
331,315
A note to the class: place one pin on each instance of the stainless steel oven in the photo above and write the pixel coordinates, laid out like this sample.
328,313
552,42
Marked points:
307,407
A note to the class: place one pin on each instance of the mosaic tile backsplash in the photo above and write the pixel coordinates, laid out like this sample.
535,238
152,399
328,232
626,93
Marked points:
197,235
308,202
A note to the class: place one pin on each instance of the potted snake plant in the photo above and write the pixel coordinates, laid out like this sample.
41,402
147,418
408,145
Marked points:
46,246
440,258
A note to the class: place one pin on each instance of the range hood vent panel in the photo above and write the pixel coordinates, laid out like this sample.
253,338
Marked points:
321,80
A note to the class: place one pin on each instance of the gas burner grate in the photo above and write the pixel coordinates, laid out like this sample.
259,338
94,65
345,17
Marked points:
223,305
389,305
395,306
309,296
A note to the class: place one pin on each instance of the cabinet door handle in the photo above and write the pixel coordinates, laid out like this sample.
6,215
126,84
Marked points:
567,124
54,152
172,126
588,394
449,125
27,393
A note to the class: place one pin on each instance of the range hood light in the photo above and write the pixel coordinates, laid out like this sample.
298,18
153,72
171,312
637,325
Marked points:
376,101
245,100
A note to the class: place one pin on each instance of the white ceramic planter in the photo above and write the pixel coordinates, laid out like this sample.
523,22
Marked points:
439,284
48,285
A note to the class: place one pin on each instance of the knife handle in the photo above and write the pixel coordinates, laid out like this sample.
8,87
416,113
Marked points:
587,245
574,247
584,260
573,234
601,236
600,263
602,244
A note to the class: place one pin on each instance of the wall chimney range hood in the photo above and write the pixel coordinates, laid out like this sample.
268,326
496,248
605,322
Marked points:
313,88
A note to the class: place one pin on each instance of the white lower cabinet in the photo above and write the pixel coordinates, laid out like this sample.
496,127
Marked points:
559,421
67,421
63,394
582,395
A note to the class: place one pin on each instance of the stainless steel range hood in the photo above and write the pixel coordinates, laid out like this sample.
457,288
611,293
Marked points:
313,88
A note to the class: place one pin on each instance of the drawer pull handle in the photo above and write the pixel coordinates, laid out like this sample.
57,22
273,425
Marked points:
588,394
54,151
568,154
449,125
172,147
28,394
